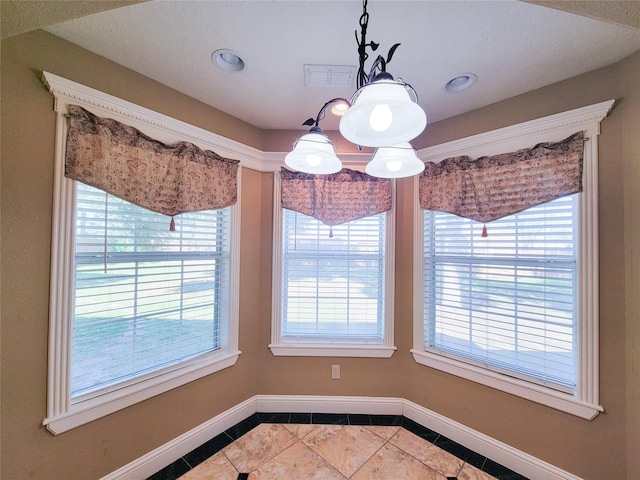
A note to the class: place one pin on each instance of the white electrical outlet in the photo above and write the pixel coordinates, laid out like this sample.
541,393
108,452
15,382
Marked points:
335,371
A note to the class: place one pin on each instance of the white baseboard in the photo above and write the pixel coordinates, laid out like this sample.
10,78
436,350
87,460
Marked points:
168,453
497,451
326,404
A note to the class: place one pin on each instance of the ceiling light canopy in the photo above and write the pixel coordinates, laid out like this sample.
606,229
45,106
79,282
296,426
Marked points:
383,113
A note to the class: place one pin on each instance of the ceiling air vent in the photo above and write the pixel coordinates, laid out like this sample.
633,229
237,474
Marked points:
329,75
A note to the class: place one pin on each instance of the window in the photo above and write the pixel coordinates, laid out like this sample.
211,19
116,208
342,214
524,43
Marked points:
135,309
506,302
333,288
516,310
146,298
332,293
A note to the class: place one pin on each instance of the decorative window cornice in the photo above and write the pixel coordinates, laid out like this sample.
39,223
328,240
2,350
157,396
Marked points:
153,124
522,135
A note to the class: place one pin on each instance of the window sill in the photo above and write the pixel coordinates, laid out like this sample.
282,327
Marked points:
333,350
92,407
536,393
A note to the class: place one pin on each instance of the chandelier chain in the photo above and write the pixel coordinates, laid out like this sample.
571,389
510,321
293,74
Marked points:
380,63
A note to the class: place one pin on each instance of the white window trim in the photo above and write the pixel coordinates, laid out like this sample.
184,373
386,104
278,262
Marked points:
63,412
585,402
339,348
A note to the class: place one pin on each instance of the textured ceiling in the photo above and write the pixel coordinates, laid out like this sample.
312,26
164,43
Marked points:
512,47
20,16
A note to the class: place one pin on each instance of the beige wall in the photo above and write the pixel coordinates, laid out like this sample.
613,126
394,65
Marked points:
603,448
563,440
629,108
95,449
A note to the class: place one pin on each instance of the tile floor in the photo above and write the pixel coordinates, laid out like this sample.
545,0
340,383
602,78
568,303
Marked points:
283,446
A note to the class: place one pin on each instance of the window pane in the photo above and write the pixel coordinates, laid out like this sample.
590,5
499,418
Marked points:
506,302
145,298
333,279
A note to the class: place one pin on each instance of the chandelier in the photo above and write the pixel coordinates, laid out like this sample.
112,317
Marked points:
383,113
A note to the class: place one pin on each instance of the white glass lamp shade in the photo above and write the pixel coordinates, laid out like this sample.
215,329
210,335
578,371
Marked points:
395,162
383,113
313,153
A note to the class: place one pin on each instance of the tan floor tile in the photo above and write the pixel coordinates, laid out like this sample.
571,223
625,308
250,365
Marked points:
346,447
333,452
301,430
296,463
391,463
217,467
258,445
443,462
384,432
469,472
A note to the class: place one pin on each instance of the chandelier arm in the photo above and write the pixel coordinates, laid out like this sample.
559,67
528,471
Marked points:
378,64
330,102
394,157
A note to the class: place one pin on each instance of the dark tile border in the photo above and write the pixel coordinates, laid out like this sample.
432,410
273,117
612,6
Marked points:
330,418
300,418
172,471
207,449
460,451
417,429
275,417
501,472
243,427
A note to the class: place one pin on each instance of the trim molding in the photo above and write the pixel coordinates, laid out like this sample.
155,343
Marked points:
63,412
489,447
157,125
168,129
584,402
522,135
521,388
162,456
497,451
309,348
331,350
75,414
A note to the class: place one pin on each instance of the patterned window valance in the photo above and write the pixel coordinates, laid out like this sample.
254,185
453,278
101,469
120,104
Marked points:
124,162
335,198
490,188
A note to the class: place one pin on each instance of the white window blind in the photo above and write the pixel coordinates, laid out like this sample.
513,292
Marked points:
333,288
145,298
507,302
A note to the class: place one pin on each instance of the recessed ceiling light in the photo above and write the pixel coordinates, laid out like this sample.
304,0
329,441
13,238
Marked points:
227,60
461,82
